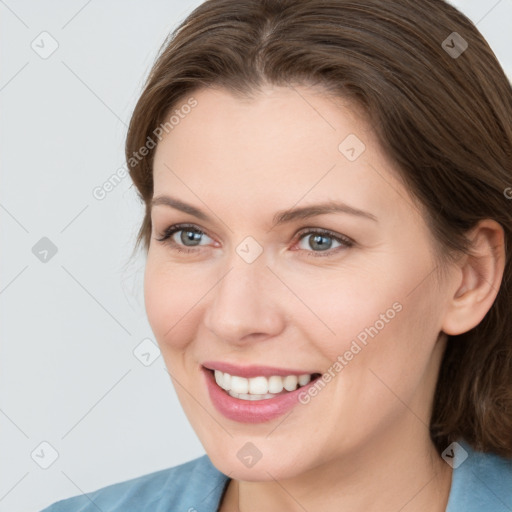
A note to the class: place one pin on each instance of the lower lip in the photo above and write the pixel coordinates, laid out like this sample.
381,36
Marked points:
251,411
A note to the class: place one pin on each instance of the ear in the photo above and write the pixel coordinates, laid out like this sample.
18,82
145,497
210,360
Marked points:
478,279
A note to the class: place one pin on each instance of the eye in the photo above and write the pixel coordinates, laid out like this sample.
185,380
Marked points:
318,241
183,237
187,238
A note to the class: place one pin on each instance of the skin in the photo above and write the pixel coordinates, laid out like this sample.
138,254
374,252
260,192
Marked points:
361,444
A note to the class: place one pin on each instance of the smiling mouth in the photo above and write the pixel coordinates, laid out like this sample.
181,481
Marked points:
260,387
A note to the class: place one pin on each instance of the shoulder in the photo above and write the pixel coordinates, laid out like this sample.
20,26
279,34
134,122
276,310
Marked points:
480,481
193,486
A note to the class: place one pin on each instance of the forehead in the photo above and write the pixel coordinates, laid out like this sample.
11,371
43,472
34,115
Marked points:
278,147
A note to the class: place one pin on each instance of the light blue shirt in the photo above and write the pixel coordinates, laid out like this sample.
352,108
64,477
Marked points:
481,483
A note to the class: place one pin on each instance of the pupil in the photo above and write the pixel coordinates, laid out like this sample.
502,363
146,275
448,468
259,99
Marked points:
320,239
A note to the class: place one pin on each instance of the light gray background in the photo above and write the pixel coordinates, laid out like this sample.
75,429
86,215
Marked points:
69,326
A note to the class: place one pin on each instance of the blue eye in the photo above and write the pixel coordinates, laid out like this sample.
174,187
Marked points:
321,241
190,237
187,238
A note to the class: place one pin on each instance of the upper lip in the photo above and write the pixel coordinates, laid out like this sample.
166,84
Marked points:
253,370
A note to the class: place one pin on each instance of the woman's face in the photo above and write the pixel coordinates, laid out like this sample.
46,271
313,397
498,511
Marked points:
261,285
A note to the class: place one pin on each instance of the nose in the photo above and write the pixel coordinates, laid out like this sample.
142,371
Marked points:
245,305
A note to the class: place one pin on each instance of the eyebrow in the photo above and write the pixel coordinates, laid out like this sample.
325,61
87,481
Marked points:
281,217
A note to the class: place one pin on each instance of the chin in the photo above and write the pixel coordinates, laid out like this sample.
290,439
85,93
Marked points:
239,465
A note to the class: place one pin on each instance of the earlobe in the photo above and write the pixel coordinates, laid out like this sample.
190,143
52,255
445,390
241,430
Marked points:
478,279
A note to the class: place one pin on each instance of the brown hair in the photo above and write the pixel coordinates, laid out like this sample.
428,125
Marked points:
442,116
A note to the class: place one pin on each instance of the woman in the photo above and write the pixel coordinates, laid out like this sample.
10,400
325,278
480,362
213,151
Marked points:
327,192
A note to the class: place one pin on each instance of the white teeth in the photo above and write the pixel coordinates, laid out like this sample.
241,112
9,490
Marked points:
275,384
247,396
239,385
223,380
304,379
290,382
259,388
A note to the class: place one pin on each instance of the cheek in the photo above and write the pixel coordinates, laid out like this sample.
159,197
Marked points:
334,311
389,353
169,300
378,319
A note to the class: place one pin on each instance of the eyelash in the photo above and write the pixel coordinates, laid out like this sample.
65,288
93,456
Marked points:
175,228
